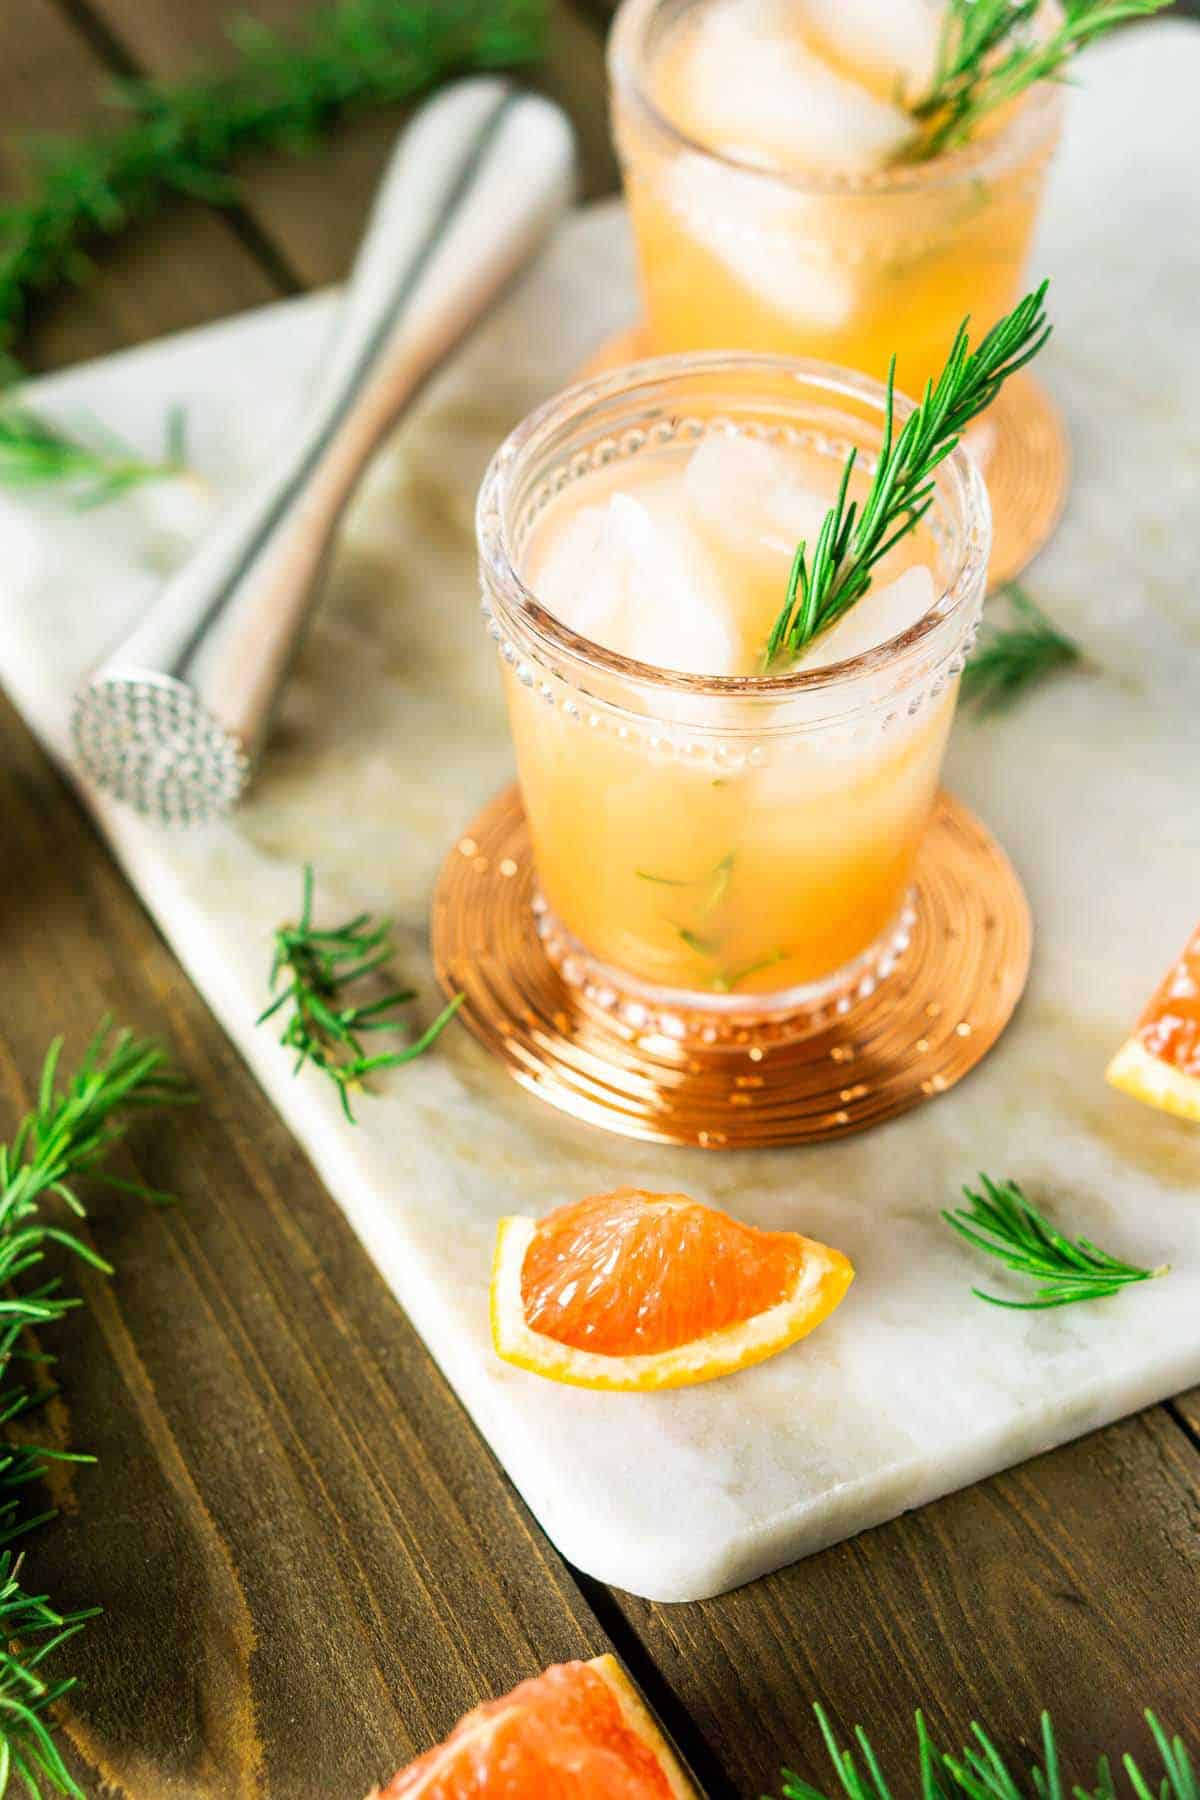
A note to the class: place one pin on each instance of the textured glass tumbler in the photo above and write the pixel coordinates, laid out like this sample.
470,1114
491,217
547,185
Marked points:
848,268
732,846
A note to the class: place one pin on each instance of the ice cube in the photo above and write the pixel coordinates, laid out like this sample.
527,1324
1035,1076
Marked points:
892,47
632,577
751,86
882,614
750,498
777,242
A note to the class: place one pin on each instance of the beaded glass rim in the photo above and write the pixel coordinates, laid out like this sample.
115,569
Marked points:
1034,123
958,482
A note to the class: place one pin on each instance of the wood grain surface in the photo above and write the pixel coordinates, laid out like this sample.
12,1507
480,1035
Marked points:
310,1563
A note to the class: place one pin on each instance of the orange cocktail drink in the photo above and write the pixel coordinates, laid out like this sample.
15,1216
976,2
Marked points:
764,147
739,839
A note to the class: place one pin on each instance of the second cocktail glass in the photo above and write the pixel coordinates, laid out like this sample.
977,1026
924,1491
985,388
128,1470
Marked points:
738,249
730,847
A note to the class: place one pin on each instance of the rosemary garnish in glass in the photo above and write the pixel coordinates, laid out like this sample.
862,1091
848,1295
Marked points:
322,1027
824,586
1002,1223
1008,659
988,56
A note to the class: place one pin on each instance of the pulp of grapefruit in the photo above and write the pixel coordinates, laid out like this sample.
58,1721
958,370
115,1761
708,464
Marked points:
1160,1062
635,1291
581,1731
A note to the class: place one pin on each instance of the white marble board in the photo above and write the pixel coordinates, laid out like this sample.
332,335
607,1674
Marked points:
392,735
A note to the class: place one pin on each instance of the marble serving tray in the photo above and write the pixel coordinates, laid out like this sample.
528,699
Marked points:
392,735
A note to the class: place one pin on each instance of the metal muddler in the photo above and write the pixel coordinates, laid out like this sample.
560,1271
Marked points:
173,720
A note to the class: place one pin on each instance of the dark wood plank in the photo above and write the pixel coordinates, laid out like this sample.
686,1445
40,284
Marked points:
310,1566
1187,1408
311,209
181,271
1069,1583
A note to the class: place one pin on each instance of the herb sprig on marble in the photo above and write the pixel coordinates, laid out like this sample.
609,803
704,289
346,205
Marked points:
183,138
1010,659
66,1138
825,584
322,1025
989,55
980,1771
1002,1223
35,452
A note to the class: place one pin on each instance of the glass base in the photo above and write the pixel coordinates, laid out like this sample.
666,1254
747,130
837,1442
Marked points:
911,1040
690,1015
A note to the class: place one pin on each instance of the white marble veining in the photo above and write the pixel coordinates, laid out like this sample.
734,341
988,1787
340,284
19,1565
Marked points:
392,735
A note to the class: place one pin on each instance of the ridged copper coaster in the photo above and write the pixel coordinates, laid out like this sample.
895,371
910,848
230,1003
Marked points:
1021,445
919,1032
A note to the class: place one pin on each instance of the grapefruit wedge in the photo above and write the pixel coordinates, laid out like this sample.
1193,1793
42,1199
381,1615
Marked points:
634,1291
579,1732
1160,1062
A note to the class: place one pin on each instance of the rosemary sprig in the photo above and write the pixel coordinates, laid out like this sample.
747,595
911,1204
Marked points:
182,138
322,1027
1004,1224
67,1135
1009,659
850,542
981,1772
31,1630
34,452
987,57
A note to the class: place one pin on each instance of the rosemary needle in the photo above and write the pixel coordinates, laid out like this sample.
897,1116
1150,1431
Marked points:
1009,659
322,1026
1002,1223
823,586
980,1772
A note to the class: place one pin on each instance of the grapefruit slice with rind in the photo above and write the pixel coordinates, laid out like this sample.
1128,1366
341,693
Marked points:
1160,1062
633,1291
580,1731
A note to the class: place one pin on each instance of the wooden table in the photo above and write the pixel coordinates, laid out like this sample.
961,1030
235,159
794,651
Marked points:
310,1563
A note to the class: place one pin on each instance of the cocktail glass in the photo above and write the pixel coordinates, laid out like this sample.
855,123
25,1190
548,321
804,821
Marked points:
721,849
850,268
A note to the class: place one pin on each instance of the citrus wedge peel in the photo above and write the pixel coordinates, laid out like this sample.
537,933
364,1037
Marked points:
480,1749
1160,1061
820,1284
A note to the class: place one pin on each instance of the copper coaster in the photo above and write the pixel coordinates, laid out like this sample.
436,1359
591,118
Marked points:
1021,445
922,1029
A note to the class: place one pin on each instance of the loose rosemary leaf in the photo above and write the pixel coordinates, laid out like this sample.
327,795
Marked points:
1002,1223
183,138
321,1025
1010,659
